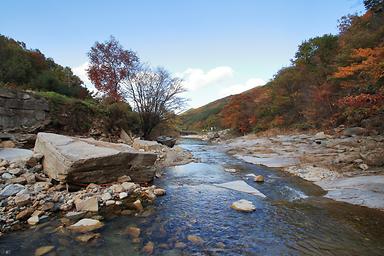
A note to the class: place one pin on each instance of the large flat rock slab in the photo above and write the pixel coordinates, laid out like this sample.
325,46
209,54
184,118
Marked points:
269,160
81,160
363,190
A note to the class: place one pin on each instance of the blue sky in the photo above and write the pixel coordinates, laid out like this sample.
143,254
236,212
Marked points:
219,47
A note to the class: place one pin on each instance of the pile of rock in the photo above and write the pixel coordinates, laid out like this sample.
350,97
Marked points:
166,156
29,197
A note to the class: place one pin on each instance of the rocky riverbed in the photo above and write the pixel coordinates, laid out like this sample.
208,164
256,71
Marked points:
348,165
30,195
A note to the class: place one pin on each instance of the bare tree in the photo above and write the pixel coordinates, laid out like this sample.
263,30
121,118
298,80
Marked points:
155,94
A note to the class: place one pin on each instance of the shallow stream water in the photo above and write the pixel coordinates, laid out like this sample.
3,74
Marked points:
293,219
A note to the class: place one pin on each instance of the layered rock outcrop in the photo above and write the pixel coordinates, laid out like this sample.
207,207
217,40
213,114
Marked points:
79,160
21,110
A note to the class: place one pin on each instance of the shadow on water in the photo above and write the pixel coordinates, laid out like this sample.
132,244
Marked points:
292,220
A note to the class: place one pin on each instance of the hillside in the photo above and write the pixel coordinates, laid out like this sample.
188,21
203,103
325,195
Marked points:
25,68
204,117
332,80
70,109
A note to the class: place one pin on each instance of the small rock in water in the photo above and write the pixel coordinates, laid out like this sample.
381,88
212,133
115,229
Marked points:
137,204
243,206
44,250
195,239
133,232
159,191
33,220
86,225
87,237
220,245
148,248
230,170
259,178
180,245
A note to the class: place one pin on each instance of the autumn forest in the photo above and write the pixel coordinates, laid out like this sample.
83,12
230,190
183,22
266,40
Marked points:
332,80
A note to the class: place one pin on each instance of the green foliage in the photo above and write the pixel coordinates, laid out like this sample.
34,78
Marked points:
24,68
204,117
71,115
120,115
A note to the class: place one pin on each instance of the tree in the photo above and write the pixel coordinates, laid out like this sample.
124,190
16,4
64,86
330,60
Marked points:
110,65
155,96
375,5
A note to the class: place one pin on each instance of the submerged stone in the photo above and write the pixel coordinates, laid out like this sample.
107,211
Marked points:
44,250
86,225
242,186
243,206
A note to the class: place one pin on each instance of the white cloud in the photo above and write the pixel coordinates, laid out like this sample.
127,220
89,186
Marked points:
81,71
195,78
238,88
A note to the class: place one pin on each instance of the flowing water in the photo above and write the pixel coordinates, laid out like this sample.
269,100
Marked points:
293,219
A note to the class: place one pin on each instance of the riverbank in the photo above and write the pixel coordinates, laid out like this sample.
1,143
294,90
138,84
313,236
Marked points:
29,196
349,167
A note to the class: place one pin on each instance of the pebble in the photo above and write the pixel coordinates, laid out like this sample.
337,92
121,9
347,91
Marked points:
123,195
159,191
133,232
106,196
22,199
363,167
33,220
86,225
137,204
87,237
6,176
259,178
180,245
11,190
44,250
148,248
195,239
243,206
110,202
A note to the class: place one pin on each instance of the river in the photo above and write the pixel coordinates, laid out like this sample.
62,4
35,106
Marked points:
293,219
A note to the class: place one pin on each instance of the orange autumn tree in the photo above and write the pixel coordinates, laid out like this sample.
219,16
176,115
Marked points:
238,114
367,67
109,66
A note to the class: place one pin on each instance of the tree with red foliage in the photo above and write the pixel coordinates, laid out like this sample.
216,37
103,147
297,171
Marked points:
109,66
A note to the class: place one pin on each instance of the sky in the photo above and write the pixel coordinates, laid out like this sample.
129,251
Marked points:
218,47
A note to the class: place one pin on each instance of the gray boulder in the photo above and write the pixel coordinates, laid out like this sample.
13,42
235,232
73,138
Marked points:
80,160
167,141
355,131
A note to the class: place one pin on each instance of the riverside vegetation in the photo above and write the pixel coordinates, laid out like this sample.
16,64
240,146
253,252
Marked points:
320,119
